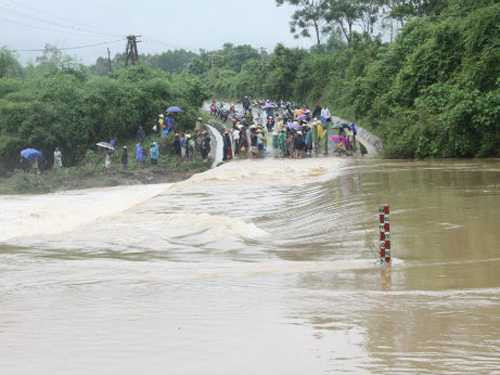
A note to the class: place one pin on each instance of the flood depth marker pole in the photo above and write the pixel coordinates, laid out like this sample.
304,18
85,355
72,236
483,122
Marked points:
385,234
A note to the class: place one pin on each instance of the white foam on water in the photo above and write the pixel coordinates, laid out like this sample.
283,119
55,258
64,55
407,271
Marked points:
102,216
270,172
33,215
219,226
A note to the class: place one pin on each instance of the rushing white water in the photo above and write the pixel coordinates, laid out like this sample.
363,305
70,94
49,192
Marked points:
34,215
257,266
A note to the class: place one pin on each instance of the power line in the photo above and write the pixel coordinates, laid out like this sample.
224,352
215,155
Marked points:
43,28
51,22
165,44
74,48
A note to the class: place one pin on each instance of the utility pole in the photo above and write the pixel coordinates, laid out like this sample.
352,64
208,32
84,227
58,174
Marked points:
110,67
131,53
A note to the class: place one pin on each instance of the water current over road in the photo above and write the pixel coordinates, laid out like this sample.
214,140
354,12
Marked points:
257,267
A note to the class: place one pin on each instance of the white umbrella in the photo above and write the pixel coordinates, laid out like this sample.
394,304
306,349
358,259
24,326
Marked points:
106,145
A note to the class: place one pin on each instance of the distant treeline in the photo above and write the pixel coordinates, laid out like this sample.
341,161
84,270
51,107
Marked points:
432,92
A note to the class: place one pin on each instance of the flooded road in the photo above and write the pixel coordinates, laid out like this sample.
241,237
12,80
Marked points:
258,267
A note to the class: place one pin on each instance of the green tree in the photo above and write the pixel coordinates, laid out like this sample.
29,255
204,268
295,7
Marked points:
309,15
343,14
171,61
9,66
403,9
283,68
371,10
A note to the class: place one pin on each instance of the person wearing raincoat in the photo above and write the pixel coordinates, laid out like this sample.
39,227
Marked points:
183,140
189,147
317,131
169,125
154,153
308,138
275,142
161,123
107,160
199,124
206,146
321,137
139,155
177,146
261,142
227,150
354,131
326,116
282,142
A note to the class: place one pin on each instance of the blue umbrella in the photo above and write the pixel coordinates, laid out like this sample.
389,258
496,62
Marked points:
268,105
31,154
174,109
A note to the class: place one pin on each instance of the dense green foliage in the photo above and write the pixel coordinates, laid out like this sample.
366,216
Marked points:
58,104
432,92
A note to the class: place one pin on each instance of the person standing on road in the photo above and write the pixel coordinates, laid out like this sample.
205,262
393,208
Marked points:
189,147
199,124
206,148
317,111
107,161
124,158
354,130
246,104
282,142
326,116
177,146
236,139
139,155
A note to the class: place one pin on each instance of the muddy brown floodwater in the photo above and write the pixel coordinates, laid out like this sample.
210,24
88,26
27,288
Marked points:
258,267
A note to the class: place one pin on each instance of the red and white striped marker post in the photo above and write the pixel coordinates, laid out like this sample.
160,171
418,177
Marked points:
385,234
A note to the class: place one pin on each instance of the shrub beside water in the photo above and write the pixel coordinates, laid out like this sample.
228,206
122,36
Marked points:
73,109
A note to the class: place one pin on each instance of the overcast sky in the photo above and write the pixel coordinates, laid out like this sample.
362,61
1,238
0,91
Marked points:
164,24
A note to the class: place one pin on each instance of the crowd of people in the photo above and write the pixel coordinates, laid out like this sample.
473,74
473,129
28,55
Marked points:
289,130
282,129
185,146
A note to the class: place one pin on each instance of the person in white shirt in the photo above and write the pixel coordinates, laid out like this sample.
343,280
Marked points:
58,163
326,116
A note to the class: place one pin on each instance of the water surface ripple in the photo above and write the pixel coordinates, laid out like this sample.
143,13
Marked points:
258,267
